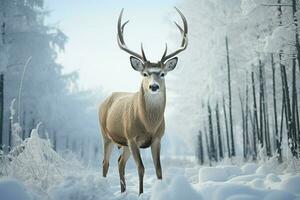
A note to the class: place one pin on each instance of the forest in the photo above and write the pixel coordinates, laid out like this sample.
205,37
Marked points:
33,87
260,99
232,112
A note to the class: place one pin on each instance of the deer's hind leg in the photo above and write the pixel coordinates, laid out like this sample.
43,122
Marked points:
108,147
122,162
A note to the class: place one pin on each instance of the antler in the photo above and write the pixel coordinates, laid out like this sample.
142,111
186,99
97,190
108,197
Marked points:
184,42
121,41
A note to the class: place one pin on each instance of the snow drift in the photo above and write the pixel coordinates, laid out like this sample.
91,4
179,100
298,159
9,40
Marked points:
34,171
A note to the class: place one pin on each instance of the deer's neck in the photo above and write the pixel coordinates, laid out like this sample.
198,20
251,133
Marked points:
151,109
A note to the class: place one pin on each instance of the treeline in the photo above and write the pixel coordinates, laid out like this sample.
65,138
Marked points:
268,113
30,74
265,120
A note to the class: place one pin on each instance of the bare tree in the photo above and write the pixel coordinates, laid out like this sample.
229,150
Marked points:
230,100
219,132
54,140
247,148
200,153
256,126
226,128
211,135
278,144
288,119
243,124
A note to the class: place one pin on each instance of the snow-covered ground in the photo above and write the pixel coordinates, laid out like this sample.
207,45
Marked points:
39,173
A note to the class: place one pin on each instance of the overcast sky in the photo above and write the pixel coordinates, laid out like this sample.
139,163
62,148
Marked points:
92,46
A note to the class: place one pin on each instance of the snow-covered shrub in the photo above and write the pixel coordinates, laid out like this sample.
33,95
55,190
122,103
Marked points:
36,163
280,39
15,127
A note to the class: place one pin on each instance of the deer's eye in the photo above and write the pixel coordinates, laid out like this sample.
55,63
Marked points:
162,74
145,74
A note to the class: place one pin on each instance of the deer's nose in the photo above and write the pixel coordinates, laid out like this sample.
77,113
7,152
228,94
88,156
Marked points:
154,87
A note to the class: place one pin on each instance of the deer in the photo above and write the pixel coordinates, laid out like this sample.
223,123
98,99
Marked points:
132,121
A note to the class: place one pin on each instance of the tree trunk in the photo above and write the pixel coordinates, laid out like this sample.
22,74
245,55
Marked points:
283,95
1,108
219,132
54,141
10,133
266,113
230,101
281,129
255,120
297,43
24,126
226,128
287,109
261,106
207,147
32,125
294,107
253,151
243,125
278,144
211,135
200,149
246,121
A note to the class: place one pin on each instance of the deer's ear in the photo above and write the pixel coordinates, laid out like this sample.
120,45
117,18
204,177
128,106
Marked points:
136,64
171,64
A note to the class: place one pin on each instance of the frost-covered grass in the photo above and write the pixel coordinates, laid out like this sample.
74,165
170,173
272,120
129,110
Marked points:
33,171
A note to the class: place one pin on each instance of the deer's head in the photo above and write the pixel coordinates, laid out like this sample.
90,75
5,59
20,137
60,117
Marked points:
153,72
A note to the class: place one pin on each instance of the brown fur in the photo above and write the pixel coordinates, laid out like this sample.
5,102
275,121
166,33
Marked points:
133,121
136,120
127,116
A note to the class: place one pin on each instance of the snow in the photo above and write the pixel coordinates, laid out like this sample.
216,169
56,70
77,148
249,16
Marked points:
86,187
219,173
249,168
212,174
292,185
248,6
178,189
13,190
36,172
281,38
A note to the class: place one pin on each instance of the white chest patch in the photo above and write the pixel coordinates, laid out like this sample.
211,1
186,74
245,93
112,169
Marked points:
154,100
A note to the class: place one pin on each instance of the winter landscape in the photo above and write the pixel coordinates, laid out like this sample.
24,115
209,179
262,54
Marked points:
232,125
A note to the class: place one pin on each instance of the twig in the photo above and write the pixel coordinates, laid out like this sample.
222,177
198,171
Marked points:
20,88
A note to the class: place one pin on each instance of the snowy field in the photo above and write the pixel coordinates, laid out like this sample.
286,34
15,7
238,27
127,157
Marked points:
36,172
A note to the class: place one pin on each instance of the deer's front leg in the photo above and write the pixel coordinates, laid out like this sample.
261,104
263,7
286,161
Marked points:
155,150
135,151
122,162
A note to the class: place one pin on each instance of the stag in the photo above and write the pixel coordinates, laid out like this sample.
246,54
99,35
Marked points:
136,120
